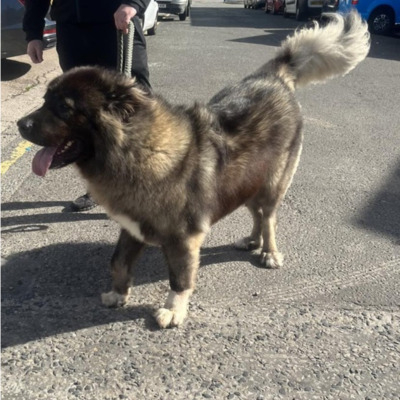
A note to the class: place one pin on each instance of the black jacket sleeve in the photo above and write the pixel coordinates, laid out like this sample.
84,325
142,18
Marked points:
139,5
33,22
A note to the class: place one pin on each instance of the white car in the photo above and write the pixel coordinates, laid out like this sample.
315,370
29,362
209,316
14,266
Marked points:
177,7
150,18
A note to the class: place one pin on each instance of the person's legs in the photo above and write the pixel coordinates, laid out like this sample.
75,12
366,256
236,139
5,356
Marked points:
72,46
140,68
103,49
105,44
96,44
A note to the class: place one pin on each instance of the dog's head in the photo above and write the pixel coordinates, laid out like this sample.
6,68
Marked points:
73,118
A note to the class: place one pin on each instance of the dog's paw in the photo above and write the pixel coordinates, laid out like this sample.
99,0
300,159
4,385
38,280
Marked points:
114,299
167,318
272,260
247,243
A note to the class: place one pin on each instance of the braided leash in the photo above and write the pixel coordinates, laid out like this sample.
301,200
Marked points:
125,50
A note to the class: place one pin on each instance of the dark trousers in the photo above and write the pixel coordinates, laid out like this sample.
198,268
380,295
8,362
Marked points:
96,44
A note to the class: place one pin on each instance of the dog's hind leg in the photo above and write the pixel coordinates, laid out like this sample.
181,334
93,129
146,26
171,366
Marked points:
271,198
183,257
123,259
255,240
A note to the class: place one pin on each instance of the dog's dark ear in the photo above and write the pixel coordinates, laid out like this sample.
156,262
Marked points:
118,102
125,100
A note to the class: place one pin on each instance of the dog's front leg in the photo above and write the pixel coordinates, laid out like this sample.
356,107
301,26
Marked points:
183,262
123,259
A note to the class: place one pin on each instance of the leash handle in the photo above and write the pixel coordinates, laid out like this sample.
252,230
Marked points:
125,50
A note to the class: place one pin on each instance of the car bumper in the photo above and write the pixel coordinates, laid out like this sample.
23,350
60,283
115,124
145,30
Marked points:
49,39
165,7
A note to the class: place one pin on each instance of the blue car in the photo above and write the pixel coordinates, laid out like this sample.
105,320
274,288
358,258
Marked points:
381,15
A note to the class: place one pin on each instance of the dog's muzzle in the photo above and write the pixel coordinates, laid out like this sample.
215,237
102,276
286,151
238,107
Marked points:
25,126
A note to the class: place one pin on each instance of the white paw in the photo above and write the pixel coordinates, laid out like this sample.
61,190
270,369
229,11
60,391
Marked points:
272,260
247,243
167,318
114,299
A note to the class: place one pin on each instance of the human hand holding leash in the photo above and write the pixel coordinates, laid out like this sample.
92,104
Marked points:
122,17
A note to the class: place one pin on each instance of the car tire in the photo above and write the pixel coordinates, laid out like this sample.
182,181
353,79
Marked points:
300,10
183,16
152,31
381,21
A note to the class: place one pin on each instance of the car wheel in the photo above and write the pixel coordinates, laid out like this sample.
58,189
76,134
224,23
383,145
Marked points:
300,10
152,31
381,21
183,16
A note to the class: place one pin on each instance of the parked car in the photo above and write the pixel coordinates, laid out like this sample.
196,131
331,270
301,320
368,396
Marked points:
150,19
274,6
177,7
381,15
13,41
302,9
254,4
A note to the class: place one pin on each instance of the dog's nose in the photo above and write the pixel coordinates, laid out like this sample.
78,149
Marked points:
25,125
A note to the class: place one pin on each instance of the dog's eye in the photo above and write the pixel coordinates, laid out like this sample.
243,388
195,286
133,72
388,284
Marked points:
63,107
63,110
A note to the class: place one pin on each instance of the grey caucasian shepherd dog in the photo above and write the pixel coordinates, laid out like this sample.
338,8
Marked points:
167,173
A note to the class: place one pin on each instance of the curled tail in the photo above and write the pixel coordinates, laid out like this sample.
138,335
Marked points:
323,52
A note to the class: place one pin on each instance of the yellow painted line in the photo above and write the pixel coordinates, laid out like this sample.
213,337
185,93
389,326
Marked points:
16,154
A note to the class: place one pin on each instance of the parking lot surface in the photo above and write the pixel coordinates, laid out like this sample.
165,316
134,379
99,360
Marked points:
325,326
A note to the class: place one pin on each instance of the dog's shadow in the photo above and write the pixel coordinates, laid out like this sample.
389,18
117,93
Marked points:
57,288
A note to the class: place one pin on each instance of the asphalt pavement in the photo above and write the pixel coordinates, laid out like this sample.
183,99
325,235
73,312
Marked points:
325,326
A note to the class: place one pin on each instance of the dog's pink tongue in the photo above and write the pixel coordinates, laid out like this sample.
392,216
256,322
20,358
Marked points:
42,160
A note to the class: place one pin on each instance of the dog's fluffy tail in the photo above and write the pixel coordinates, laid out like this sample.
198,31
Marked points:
323,52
